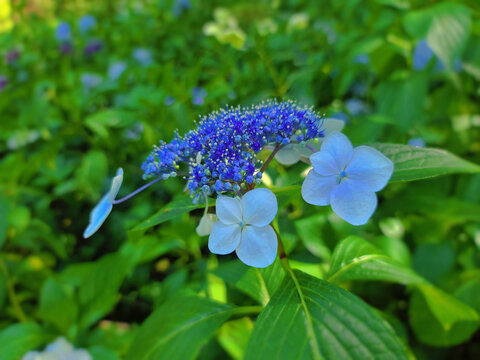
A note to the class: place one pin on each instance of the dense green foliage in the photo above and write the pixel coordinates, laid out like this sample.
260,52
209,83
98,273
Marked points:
406,285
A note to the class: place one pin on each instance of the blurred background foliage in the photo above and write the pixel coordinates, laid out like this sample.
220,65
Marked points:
89,86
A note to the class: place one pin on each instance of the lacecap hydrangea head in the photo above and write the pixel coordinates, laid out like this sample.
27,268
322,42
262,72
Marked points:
220,155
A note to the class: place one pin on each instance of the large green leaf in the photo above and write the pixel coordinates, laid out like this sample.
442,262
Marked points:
55,298
4,206
18,339
178,329
356,259
309,318
414,163
168,212
439,319
446,27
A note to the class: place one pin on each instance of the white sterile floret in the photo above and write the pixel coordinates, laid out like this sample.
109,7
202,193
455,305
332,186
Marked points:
293,153
61,349
206,224
243,226
347,178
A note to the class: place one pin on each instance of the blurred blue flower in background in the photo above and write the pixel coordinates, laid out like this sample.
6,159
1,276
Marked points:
93,47
198,95
61,349
90,81
86,23
3,82
361,59
346,178
100,212
422,54
417,142
356,107
143,56
179,6
169,100
63,32
116,69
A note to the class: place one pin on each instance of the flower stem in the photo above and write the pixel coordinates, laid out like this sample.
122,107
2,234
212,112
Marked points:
270,158
310,148
137,191
11,293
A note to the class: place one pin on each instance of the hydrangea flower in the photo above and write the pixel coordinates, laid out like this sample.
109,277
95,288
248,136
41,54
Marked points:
86,23
3,82
116,70
61,349
90,81
100,212
12,56
417,142
243,227
63,32
347,178
93,47
198,95
143,56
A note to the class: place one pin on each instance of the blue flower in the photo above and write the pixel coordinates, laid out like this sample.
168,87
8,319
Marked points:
416,142
90,81
100,212
198,95
93,47
143,56
116,70
243,227
3,83
346,178
224,147
422,54
63,32
60,349
86,23
169,100
179,6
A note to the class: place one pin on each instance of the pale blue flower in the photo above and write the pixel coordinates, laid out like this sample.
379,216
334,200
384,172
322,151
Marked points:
100,212
61,349
198,95
417,142
86,23
116,70
243,227
347,178
294,152
90,81
143,56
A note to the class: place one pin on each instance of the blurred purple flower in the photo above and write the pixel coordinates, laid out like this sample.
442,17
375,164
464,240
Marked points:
93,47
63,32
3,82
12,56
90,81
179,6
416,142
169,100
143,56
86,23
66,48
198,95
116,70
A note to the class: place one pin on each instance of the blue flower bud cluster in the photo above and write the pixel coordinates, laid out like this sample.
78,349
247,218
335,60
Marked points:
221,154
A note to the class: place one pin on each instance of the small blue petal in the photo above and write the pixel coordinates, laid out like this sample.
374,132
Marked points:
98,216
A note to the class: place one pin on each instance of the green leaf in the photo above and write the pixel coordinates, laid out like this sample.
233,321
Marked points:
101,121
92,172
3,219
260,284
414,163
178,329
18,339
55,299
98,292
356,259
446,27
439,319
309,318
168,212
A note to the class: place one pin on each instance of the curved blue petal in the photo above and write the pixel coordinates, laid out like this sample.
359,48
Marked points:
116,184
98,216
339,148
258,246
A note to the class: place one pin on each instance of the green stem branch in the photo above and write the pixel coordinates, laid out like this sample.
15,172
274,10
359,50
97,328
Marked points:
11,293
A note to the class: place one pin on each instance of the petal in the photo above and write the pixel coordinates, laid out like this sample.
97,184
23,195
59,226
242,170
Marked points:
258,246
229,210
339,147
259,207
331,124
370,167
353,204
98,216
224,238
206,223
288,155
316,189
115,187
325,164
